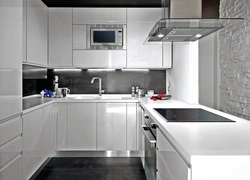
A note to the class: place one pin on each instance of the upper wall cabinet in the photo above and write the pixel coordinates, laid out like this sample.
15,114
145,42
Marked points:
140,15
79,37
140,21
37,32
99,15
99,59
60,37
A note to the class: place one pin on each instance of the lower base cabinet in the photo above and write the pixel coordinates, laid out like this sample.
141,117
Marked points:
33,155
81,126
12,170
111,126
96,126
169,163
38,139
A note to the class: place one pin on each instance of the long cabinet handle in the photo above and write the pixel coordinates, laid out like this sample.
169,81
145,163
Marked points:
148,136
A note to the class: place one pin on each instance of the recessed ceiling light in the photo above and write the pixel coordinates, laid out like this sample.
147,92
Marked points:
198,35
160,35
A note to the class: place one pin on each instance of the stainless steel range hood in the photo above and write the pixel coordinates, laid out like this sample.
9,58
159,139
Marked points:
185,23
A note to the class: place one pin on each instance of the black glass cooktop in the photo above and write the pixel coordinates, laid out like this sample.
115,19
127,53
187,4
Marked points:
190,115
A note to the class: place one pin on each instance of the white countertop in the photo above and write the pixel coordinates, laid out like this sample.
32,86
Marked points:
206,138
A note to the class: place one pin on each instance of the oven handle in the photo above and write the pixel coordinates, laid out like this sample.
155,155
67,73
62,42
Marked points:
148,136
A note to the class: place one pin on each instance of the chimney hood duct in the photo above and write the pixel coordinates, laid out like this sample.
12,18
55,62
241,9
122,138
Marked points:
185,22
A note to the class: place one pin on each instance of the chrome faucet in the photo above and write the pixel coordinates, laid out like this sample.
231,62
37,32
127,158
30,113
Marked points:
100,84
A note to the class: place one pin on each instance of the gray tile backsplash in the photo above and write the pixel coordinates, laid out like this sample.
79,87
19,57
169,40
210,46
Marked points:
114,82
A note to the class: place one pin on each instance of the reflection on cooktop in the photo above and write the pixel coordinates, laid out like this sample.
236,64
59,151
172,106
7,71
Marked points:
190,115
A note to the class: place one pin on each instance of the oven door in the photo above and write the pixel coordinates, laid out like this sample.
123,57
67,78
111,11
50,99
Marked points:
150,153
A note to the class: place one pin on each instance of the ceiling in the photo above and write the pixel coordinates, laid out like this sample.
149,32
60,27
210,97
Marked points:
210,8
103,3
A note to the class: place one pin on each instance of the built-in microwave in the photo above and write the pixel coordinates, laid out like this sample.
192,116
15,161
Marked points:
106,36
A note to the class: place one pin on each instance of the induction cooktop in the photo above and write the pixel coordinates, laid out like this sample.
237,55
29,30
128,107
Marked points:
190,115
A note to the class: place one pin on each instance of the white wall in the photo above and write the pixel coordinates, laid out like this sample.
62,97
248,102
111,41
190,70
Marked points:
183,78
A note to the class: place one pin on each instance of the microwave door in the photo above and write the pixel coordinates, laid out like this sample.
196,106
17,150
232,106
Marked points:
103,37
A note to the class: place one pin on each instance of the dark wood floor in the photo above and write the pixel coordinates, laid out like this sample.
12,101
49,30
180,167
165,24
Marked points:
93,169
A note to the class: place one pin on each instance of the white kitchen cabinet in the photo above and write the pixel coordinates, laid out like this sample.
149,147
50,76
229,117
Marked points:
10,58
10,150
37,32
12,170
10,129
111,126
167,55
99,15
140,136
60,37
49,130
146,15
81,126
33,151
79,36
99,58
10,142
169,161
61,126
140,55
131,127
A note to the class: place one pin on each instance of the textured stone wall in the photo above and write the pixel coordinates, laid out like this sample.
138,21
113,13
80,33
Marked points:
235,59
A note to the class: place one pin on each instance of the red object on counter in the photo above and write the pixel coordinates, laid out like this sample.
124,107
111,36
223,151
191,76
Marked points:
159,96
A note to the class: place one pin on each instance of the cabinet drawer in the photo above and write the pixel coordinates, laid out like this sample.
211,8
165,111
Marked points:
162,173
13,170
10,129
10,150
177,168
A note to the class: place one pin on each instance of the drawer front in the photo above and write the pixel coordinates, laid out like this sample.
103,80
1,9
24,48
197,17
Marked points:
177,168
10,129
163,172
13,170
10,150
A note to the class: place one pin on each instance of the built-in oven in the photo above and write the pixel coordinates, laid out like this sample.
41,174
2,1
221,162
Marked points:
149,132
106,36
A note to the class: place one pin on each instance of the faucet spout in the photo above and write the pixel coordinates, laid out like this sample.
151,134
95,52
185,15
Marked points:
100,84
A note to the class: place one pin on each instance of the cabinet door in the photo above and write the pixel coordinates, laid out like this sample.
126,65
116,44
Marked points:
79,37
141,55
99,15
60,37
10,58
131,127
171,162
99,58
33,153
140,136
49,130
12,170
81,131
111,126
37,32
139,15
61,126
